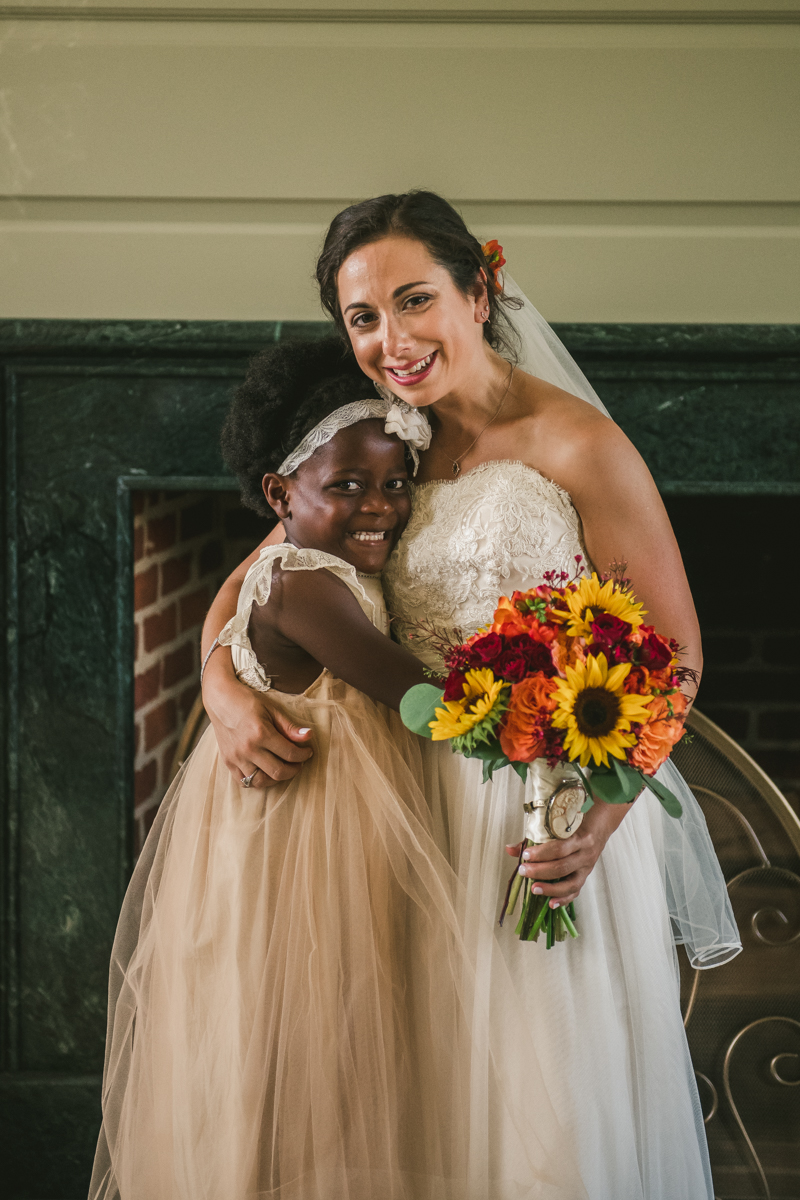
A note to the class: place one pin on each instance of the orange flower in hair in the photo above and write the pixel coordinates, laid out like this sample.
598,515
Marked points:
493,253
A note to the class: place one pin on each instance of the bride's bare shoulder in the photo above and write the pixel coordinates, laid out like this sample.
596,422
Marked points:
561,433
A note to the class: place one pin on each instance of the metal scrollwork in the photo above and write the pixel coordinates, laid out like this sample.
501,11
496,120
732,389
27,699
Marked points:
779,876
712,1112
706,794
781,916
766,897
773,1070
775,1073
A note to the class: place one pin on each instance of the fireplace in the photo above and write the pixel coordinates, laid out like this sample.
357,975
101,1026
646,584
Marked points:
111,446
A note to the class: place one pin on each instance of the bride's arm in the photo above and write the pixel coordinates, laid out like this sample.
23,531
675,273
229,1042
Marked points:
247,728
623,520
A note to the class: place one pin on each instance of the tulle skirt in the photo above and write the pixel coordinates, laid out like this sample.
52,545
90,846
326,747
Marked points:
604,1010
304,1004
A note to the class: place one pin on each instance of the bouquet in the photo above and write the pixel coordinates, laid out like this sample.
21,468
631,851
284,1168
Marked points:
570,685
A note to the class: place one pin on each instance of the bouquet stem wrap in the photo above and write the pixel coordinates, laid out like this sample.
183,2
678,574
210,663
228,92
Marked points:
536,917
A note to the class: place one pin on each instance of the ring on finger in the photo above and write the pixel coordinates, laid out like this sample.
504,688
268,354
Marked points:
247,780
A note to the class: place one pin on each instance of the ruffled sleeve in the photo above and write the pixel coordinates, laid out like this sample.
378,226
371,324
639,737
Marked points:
256,590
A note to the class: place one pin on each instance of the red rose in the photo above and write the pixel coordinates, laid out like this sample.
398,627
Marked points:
454,688
512,667
609,629
487,649
654,653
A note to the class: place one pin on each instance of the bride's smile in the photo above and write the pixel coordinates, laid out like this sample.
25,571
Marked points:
409,376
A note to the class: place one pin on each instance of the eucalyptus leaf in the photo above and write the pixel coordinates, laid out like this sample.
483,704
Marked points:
607,786
418,708
671,803
630,779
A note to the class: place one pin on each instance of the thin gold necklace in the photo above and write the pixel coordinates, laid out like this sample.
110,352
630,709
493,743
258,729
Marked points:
457,461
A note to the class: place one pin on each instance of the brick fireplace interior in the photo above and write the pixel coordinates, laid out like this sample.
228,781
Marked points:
744,572
737,553
185,545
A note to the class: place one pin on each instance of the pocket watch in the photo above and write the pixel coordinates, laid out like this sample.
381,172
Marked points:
562,814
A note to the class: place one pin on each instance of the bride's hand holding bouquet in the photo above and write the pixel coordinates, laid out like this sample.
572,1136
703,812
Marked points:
571,689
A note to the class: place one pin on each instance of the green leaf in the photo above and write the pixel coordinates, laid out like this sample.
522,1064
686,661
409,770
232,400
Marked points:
671,803
588,786
492,756
630,780
418,708
607,786
521,769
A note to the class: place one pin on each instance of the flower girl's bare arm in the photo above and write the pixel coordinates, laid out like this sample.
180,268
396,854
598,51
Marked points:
314,621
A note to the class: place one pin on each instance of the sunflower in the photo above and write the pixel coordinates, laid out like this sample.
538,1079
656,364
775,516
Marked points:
596,711
481,702
591,598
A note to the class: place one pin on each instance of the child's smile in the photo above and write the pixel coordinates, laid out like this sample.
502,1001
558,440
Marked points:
350,498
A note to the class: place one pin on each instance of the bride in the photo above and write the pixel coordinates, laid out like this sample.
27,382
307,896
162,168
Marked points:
525,471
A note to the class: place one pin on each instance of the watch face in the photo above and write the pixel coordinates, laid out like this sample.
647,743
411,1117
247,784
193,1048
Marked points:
563,813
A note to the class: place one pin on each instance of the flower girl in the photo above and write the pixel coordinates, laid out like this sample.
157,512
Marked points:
292,1009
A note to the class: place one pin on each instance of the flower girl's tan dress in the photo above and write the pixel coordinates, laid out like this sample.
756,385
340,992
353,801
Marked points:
293,1008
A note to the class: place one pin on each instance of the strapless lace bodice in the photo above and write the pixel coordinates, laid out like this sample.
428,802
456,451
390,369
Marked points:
469,541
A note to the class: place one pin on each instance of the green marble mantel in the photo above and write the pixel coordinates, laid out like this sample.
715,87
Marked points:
94,409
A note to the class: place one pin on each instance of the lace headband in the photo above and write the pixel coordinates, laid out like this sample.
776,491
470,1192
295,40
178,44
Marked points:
410,425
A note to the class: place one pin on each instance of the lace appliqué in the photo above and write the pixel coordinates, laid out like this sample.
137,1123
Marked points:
473,539
256,590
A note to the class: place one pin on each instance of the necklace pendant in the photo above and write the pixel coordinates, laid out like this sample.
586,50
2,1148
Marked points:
456,468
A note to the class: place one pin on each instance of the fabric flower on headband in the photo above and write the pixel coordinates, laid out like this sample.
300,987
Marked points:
493,253
409,424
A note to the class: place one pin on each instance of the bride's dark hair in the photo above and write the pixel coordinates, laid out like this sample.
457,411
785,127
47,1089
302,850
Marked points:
426,218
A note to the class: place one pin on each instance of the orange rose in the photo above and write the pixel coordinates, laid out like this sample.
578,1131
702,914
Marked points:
510,622
530,701
660,733
638,681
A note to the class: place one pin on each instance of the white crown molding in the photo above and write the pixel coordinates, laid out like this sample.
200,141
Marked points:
691,14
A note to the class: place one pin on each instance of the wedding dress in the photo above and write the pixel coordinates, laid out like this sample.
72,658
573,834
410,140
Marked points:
603,1010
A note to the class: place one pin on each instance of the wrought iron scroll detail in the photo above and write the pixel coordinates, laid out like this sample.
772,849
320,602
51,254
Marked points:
726,1085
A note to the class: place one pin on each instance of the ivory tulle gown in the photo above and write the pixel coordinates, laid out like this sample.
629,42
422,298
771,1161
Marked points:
604,1010
302,1004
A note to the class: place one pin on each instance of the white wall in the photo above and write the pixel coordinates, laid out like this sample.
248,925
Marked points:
639,166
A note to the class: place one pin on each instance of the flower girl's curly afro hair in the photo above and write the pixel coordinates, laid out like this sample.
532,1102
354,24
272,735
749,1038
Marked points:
286,392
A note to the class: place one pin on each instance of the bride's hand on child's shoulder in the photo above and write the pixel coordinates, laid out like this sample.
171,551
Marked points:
251,733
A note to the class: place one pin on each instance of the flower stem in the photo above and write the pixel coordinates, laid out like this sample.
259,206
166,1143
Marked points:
567,919
514,885
540,919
